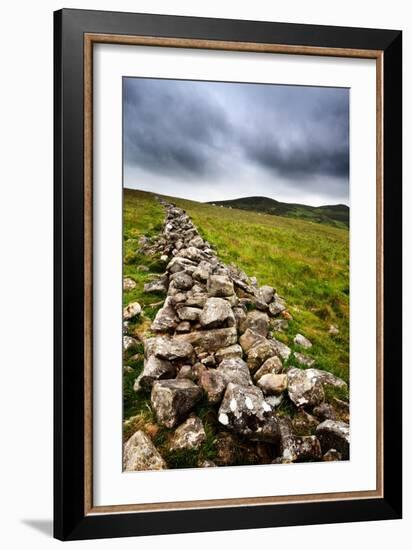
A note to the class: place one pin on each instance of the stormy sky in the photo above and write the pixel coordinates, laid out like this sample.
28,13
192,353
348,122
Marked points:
210,141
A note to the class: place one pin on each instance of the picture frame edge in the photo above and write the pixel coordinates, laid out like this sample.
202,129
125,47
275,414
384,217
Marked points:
73,516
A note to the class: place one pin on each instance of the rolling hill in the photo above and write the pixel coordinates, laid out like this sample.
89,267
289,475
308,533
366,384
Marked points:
337,215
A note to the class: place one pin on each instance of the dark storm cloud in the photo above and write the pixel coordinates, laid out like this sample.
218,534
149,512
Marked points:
302,132
171,126
203,131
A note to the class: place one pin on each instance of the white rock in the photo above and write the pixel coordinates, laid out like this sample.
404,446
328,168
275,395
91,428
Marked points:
140,454
301,340
128,284
133,309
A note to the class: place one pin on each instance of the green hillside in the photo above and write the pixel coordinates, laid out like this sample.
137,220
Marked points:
308,264
336,215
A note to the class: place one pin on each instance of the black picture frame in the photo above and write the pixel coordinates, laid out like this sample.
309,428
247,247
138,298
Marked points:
70,520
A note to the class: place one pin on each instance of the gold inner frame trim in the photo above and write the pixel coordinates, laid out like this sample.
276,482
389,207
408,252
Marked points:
89,40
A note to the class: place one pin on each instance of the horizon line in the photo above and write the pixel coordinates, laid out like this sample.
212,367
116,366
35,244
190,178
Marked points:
237,198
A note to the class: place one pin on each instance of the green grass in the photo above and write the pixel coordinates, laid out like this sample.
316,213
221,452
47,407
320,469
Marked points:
335,215
307,262
142,215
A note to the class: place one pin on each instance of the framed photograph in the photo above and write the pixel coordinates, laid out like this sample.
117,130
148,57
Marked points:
227,274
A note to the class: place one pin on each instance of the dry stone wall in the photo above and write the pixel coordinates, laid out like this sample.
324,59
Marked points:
212,340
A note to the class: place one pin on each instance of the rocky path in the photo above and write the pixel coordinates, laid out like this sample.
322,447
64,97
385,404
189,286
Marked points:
213,340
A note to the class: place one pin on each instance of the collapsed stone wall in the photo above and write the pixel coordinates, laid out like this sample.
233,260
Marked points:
214,339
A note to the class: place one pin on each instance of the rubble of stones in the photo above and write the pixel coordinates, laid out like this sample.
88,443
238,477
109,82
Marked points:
212,340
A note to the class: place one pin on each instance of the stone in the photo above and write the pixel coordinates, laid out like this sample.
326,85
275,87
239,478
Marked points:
179,264
213,384
334,434
273,365
157,286
232,300
277,306
164,258
196,298
183,327
294,448
144,241
179,299
134,309
173,290
304,423
235,371
307,449
332,456
139,453
274,400
212,339
286,439
217,313
282,350
256,320
209,361
260,353
197,369
237,273
187,313
172,349
129,343
197,241
333,331
201,353
327,378
143,268
154,369
206,464
304,389
273,384
189,435
240,315
325,411
342,408
186,371
249,339
226,445
245,411
231,352
219,285
166,319
192,253
172,400
128,284
182,280
301,340
303,359
202,272
266,293
279,325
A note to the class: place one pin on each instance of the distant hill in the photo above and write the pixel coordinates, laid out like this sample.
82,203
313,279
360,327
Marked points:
337,214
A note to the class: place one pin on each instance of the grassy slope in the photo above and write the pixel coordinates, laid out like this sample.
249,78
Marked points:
335,215
307,262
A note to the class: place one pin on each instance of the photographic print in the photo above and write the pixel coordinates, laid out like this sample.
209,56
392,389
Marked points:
235,274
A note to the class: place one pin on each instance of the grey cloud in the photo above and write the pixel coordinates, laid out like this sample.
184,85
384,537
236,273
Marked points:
170,126
192,131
